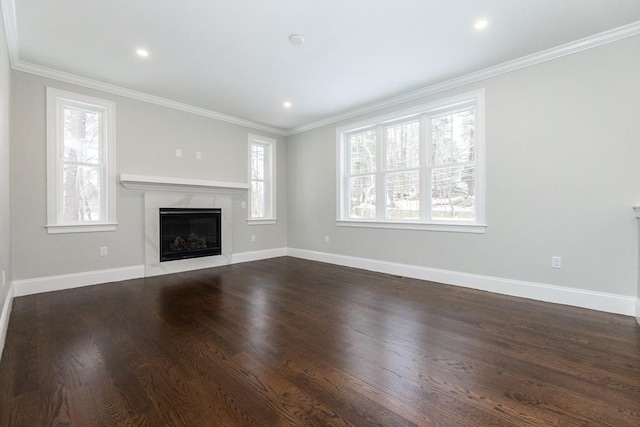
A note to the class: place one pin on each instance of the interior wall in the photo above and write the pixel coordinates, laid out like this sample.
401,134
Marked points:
5,202
147,137
562,175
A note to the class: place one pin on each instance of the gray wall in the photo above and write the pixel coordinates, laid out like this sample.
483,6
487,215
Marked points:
147,137
5,202
563,172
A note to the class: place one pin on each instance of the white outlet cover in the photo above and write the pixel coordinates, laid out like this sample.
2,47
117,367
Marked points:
178,152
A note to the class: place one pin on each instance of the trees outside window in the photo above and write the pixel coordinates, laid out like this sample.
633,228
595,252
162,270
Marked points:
422,167
80,163
262,179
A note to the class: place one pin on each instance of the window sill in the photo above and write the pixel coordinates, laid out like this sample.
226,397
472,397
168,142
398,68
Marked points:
450,227
80,228
265,221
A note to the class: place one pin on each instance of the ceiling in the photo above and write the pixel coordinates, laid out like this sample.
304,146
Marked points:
234,58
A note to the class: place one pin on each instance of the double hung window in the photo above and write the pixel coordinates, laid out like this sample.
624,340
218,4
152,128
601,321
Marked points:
262,180
80,163
419,168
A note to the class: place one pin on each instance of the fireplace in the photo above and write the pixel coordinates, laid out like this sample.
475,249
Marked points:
189,233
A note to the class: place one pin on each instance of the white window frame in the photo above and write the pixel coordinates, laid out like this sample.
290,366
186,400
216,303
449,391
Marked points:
422,113
269,179
57,100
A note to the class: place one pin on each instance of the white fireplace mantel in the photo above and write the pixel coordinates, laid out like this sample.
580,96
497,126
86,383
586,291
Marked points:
165,183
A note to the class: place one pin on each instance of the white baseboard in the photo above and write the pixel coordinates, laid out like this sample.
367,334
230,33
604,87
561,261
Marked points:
611,303
4,318
75,280
258,255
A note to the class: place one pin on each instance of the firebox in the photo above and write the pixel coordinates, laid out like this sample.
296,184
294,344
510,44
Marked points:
189,233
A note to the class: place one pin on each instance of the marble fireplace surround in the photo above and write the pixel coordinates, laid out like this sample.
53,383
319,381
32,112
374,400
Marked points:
168,192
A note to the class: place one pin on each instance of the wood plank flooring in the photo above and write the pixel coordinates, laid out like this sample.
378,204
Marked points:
289,342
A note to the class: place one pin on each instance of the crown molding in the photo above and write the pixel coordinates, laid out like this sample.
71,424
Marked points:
11,29
10,24
139,96
506,67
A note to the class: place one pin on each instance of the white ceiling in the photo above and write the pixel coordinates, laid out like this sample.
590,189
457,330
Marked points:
234,57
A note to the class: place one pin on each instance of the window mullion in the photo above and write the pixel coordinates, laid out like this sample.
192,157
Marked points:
425,161
436,126
381,198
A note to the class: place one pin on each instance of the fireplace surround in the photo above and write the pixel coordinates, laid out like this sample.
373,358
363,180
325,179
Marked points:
171,192
154,201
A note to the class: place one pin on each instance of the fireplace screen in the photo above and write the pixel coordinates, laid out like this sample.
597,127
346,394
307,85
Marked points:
189,233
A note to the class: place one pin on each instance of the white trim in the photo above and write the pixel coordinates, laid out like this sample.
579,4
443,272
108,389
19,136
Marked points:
84,228
258,255
497,70
610,303
262,221
269,179
424,113
4,318
76,280
458,228
166,183
50,73
56,101
10,23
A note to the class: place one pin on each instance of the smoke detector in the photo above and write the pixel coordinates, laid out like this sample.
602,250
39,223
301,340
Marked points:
296,39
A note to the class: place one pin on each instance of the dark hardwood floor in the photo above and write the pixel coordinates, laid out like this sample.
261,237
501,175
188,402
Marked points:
288,342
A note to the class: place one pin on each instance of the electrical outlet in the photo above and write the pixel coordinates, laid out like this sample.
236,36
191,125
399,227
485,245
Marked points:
253,237
178,152
556,262
104,251
326,239
198,155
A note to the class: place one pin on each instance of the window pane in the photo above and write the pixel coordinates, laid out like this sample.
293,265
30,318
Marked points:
362,197
403,146
403,195
362,152
453,138
258,206
81,136
257,161
453,193
81,192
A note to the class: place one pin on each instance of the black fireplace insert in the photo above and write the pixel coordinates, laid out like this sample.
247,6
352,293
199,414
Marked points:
189,233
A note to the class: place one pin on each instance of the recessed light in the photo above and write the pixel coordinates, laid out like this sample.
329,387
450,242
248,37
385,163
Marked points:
286,104
481,24
296,39
142,52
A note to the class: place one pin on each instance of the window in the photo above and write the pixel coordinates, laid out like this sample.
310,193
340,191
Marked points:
420,168
80,163
262,161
